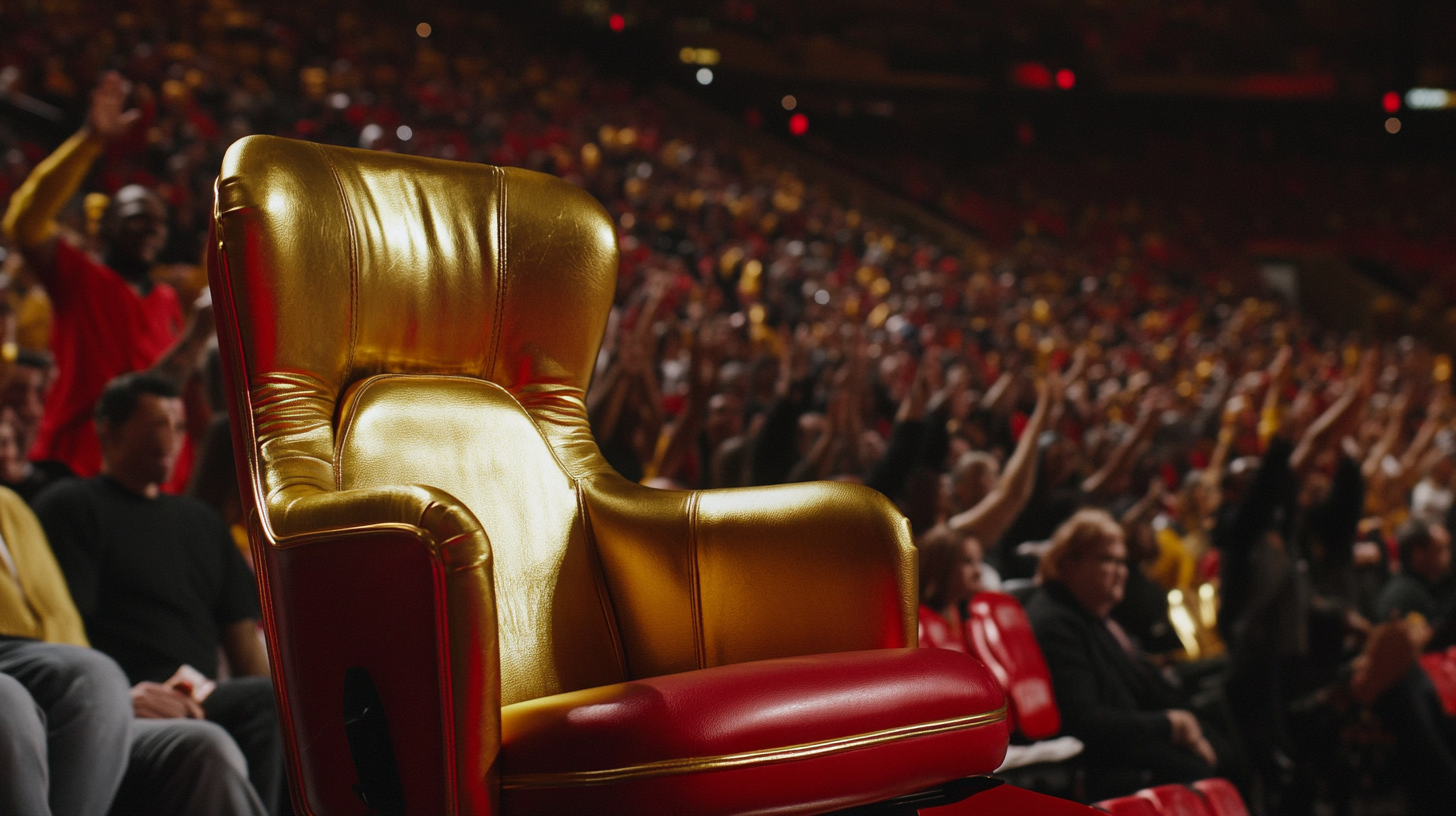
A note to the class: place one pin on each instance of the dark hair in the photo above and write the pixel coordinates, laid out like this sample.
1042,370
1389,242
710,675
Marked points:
1413,535
120,398
34,358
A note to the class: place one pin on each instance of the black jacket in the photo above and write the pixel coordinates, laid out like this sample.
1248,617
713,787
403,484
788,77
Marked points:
1110,701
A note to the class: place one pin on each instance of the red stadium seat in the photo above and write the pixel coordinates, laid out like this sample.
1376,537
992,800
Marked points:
1000,635
935,633
1129,806
1176,800
1441,668
1222,797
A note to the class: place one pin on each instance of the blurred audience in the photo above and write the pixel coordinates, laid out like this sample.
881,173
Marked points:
71,741
1094,393
158,582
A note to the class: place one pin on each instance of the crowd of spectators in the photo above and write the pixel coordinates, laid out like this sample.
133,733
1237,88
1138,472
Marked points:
1079,407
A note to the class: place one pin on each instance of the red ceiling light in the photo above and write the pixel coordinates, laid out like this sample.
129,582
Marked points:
1032,75
1066,80
1391,102
798,124
616,22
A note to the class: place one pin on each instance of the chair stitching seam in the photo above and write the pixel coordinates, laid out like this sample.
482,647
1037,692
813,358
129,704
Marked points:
501,271
604,593
694,576
353,285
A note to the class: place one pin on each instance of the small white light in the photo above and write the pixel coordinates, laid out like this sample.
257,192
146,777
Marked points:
404,133
705,76
339,101
369,135
1427,98
821,297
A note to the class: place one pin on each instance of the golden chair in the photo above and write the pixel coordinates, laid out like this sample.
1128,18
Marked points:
408,344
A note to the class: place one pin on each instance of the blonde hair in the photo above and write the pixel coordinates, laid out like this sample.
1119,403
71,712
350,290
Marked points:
1078,536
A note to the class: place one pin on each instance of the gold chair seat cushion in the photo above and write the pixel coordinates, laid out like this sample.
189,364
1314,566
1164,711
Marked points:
804,733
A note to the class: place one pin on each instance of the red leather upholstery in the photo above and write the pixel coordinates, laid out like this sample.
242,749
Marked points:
935,632
825,732
374,601
1001,636
1129,806
1441,668
1222,797
1176,800
1007,800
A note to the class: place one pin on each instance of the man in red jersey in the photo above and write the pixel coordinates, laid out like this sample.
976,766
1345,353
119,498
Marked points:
109,317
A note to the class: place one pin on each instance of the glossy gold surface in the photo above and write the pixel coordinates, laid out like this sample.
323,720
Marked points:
767,756
415,342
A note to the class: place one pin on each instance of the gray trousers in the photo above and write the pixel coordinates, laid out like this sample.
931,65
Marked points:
69,745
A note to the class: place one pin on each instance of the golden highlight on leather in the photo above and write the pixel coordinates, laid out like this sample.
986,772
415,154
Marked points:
766,756
416,341
472,440
31,217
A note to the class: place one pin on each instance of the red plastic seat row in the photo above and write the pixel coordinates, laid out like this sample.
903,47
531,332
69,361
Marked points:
997,633
1206,797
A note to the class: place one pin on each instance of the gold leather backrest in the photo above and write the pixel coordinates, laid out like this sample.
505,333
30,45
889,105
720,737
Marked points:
351,264
474,441
364,263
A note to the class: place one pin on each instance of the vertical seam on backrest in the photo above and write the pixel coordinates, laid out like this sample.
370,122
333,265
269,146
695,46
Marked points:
604,593
501,271
353,288
696,590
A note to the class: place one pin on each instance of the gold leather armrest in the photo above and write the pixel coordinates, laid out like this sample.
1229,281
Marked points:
713,577
461,549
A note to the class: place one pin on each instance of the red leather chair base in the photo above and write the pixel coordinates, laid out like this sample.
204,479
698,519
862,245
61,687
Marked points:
790,735
1008,800
1176,800
1222,797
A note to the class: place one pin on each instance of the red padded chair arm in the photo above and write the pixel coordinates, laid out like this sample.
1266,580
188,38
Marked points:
396,580
715,577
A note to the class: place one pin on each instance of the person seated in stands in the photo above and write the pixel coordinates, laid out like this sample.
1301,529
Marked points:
157,578
109,317
1422,591
70,739
1419,601
950,573
23,395
1137,727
